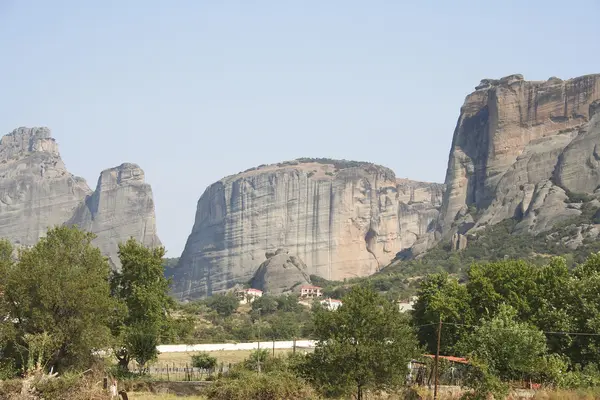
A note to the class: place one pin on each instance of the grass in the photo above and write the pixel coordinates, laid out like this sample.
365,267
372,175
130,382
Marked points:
153,396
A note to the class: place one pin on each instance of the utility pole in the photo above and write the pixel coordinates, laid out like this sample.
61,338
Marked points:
437,357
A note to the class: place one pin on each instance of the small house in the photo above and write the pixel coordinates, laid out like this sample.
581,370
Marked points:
310,292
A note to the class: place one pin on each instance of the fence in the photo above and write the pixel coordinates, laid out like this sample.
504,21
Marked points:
278,344
183,372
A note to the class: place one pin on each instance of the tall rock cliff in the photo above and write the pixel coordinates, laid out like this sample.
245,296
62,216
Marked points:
37,192
121,207
520,150
341,218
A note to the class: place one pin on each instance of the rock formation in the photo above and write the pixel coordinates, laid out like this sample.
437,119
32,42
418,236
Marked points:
342,218
280,273
520,149
121,207
37,192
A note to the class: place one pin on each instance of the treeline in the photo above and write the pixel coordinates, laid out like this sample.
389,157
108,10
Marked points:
61,304
220,318
518,320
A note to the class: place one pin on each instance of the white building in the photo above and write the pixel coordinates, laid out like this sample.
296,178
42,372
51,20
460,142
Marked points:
331,304
309,292
248,295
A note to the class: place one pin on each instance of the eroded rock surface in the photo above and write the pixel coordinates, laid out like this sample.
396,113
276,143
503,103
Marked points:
519,150
37,192
343,219
280,273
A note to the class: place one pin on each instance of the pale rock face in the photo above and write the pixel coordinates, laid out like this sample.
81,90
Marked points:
280,273
342,221
37,192
121,207
517,147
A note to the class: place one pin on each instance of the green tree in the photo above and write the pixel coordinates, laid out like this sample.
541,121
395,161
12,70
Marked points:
289,303
143,292
223,304
57,291
365,344
204,360
586,311
510,349
283,326
441,296
266,305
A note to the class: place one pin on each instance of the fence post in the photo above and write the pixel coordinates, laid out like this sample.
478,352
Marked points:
294,347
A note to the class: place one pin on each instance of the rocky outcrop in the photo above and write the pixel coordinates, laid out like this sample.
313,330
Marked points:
342,218
280,273
37,192
458,242
122,206
519,149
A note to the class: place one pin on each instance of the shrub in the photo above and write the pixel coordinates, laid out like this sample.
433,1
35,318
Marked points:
242,385
257,356
204,360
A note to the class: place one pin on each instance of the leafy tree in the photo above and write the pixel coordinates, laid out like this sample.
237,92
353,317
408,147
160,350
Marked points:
7,328
283,326
204,360
143,292
509,348
585,311
57,291
266,305
223,304
442,296
289,303
365,344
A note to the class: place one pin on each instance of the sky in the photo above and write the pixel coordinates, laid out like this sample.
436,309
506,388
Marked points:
195,90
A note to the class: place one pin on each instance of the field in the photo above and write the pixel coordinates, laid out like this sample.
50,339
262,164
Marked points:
223,356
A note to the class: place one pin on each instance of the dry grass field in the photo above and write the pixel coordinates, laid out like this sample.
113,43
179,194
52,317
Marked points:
224,356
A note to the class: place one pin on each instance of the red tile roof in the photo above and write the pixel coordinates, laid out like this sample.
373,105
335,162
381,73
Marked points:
460,360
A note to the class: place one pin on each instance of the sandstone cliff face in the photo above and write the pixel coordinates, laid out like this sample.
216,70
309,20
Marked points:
519,147
37,192
121,207
280,273
343,219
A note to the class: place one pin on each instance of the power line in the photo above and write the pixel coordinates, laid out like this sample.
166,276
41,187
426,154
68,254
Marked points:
509,329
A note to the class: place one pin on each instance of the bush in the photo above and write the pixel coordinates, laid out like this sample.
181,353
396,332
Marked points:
262,356
204,360
242,385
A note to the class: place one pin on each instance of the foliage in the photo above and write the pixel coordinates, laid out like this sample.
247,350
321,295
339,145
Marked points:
204,360
57,289
242,385
511,349
266,304
143,294
442,296
365,344
258,356
223,304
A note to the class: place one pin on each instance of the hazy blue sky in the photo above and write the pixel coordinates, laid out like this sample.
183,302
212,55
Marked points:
196,90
